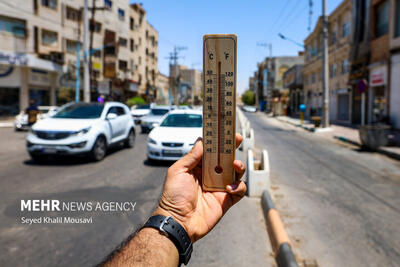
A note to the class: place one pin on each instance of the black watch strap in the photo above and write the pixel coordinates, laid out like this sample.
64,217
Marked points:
175,232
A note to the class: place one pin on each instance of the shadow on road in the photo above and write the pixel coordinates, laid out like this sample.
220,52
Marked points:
67,160
158,163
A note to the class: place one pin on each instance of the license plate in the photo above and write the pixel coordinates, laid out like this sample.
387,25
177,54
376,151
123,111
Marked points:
174,153
49,150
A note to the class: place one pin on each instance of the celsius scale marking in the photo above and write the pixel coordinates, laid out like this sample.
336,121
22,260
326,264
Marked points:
219,110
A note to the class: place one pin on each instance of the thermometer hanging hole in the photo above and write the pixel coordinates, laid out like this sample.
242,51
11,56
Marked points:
218,169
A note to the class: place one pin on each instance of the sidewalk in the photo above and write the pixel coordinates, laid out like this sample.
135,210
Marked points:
6,122
347,135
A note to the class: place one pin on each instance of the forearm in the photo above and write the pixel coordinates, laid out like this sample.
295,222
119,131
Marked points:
148,248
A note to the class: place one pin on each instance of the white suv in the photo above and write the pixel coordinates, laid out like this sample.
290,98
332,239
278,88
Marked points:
82,128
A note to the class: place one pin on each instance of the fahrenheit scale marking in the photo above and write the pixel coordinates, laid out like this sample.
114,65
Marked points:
219,116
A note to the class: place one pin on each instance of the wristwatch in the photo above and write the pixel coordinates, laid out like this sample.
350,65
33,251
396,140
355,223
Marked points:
175,232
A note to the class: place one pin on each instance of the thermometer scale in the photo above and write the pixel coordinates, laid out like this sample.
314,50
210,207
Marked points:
219,110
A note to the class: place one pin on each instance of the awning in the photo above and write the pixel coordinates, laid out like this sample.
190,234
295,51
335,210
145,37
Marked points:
28,60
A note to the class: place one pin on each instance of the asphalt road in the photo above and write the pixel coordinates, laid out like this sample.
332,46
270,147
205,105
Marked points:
341,206
240,239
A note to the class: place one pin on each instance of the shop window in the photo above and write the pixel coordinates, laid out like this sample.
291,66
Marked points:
73,14
121,14
49,38
122,42
9,101
50,4
72,46
382,19
13,26
397,20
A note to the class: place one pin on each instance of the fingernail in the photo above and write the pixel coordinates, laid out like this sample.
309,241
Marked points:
232,187
198,139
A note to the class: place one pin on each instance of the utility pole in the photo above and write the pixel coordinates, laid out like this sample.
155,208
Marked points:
86,78
78,62
325,69
173,58
92,26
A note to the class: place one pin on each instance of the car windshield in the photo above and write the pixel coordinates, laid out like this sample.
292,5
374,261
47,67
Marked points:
80,111
159,111
143,107
182,120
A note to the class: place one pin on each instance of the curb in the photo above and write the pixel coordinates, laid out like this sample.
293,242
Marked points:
6,124
280,241
298,125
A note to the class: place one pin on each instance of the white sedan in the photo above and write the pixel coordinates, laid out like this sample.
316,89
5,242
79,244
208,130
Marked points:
175,136
82,128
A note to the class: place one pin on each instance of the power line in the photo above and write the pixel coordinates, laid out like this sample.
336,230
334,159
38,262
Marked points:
279,16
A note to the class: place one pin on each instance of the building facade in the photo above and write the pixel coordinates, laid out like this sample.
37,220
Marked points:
39,56
339,48
293,81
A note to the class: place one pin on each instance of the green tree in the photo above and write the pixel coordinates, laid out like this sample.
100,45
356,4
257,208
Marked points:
249,98
137,100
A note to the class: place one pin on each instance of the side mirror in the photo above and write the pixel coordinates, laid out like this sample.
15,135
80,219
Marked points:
111,116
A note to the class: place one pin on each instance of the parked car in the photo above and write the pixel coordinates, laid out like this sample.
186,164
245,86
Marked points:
139,111
155,117
21,120
82,128
175,136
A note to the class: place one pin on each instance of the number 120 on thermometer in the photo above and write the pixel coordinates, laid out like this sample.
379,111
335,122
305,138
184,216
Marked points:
219,110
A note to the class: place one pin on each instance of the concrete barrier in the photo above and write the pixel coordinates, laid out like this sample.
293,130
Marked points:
248,139
280,241
257,174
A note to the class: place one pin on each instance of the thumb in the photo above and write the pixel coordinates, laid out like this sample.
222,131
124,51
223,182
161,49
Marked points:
191,159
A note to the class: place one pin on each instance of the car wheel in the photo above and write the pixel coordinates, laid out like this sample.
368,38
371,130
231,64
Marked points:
130,140
99,149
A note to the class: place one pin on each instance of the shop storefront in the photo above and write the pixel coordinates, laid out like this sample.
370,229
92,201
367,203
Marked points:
24,77
377,106
340,105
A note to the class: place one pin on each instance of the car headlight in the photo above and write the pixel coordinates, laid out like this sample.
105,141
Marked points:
151,141
81,132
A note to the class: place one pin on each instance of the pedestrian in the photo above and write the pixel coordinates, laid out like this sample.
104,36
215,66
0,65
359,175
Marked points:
185,214
32,111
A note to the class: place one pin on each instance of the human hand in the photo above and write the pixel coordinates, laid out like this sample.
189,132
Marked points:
183,198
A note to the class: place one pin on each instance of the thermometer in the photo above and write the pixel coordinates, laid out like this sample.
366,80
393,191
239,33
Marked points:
219,110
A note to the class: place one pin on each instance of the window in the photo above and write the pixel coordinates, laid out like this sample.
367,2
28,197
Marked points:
13,26
50,3
131,23
72,46
346,29
345,66
122,42
382,19
333,38
333,70
49,38
132,64
108,4
121,14
140,60
95,26
313,77
97,54
73,14
122,65
397,20
132,45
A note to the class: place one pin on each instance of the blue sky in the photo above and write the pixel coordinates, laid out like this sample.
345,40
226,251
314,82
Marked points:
184,22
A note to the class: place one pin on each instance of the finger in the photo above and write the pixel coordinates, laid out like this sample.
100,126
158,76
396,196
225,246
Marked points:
239,139
191,159
237,191
240,169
